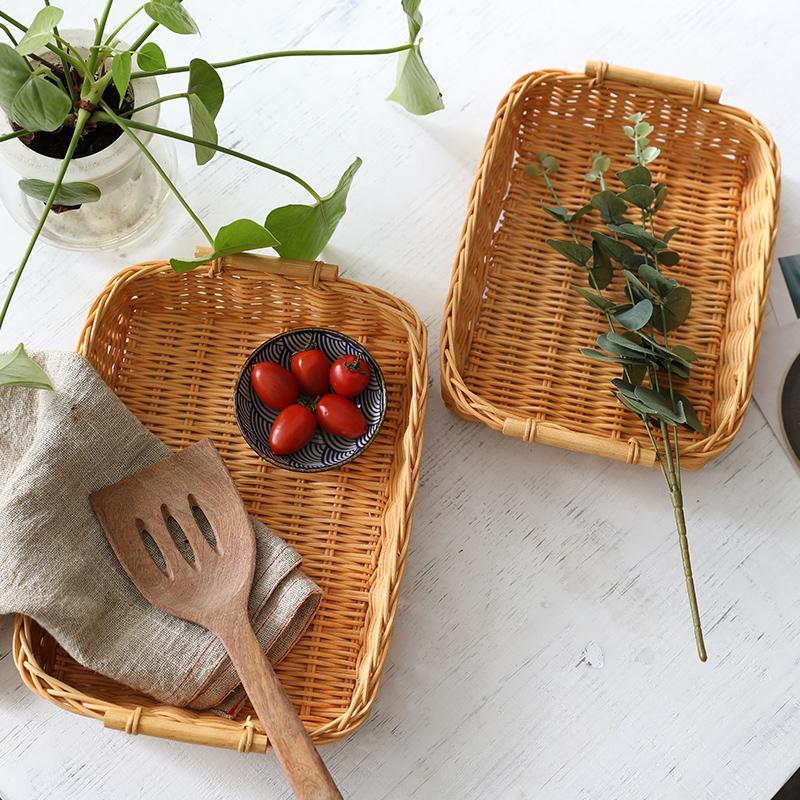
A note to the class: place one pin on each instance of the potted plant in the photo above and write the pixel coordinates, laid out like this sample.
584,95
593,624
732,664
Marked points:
80,127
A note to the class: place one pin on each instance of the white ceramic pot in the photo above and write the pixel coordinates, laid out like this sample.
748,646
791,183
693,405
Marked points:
132,192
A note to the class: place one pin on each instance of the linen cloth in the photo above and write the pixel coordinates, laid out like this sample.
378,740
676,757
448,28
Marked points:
57,567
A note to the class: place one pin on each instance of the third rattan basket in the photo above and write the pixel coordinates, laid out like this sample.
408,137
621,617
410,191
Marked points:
510,351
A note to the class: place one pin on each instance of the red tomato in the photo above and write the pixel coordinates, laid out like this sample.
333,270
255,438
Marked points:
349,375
275,386
311,367
340,416
293,428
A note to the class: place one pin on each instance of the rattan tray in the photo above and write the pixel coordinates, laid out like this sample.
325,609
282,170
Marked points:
171,347
510,356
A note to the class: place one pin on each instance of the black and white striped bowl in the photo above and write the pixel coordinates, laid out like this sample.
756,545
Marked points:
324,451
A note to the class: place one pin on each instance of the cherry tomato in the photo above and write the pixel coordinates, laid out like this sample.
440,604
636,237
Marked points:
311,368
340,416
275,386
349,375
293,428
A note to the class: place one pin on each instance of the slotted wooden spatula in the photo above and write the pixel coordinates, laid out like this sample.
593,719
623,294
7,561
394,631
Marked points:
186,490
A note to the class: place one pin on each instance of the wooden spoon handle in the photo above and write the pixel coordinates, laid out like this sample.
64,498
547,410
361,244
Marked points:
306,771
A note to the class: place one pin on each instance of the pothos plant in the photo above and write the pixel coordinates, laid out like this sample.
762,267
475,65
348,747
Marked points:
80,94
641,318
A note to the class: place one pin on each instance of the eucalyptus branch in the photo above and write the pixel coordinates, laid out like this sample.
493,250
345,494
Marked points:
280,54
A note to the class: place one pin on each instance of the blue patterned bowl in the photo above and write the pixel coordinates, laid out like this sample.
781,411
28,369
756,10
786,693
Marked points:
324,451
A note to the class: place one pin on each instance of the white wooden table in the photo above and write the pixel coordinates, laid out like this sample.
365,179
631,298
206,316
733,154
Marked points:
521,558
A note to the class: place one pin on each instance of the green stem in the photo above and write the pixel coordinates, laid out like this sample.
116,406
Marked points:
144,37
111,36
155,102
279,54
8,33
73,93
80,124
126,127
53,48
219,148
98,36
14,135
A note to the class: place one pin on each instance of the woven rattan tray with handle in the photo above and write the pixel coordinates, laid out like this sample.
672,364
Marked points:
512,328
171,347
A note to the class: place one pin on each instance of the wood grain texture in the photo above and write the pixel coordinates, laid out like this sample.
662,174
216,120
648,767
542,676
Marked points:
525,562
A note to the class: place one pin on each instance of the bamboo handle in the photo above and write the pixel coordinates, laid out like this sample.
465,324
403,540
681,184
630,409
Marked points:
306,771
531,430
700,92
312,271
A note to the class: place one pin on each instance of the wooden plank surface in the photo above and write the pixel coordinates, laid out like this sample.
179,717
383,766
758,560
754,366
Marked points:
542,648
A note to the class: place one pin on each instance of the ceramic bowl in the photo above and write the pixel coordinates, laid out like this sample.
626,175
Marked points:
324,451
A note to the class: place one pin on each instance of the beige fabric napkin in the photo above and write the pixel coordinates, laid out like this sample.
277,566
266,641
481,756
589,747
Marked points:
57,567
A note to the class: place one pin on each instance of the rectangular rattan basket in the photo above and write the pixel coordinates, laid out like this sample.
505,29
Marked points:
171,347
510,352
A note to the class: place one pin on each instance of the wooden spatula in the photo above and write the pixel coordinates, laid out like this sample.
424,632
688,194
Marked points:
187,490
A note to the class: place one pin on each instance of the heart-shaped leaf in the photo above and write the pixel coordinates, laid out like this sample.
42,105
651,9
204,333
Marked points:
674,309
150,58
639,195
19,369
240,236
121,71
619,251
415,89
172,15
205,83
40,31
594,300
635,175
635,317
576,252
655,280
14,72
303,230
611,208
68,194
40,105
203,127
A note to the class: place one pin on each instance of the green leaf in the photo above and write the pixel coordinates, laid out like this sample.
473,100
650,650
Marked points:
548,162
633,404
639,236
635,175
40,31
639,195
684,352
668,258
611,208
559,213
601,271
636,372
151,58
172,15
121,71
620,345
669,234
640,291
205,83
661,195
674,309
181,266
619,251
594,300
303,230
655,280
14,72
635,317
68,194
415,88
660,404
598,356
40,105
692,420
203,127
411,8
650,154
600,163
242,235
19,369
577,253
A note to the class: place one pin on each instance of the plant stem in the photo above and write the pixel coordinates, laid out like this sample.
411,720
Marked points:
155,102
98,36
111,36
73,94
53,48
142,126
8,33
80,124
278,54
14,135
149,156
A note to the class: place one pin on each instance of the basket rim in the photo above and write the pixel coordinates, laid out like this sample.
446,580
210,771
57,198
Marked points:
468,404
392,547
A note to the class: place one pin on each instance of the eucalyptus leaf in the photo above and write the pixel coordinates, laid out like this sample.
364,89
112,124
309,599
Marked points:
172,15
668,258
548,162
674,309
595,300
150,58
121,71
635,317
14,72
639,236
660,404
639,195
203,127
559,213
641,292
303,230
599,356
684,352
655,280
40,31
205,83
622,346
692,420
415,88
661,196
600,164
669,234
577,253
650,154
40,105
619,251
625,387
664,353
636,373
19,369
68,194
635,175
611,207
601,271
633,404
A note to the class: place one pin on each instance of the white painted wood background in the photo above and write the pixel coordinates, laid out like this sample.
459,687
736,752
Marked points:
521,558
